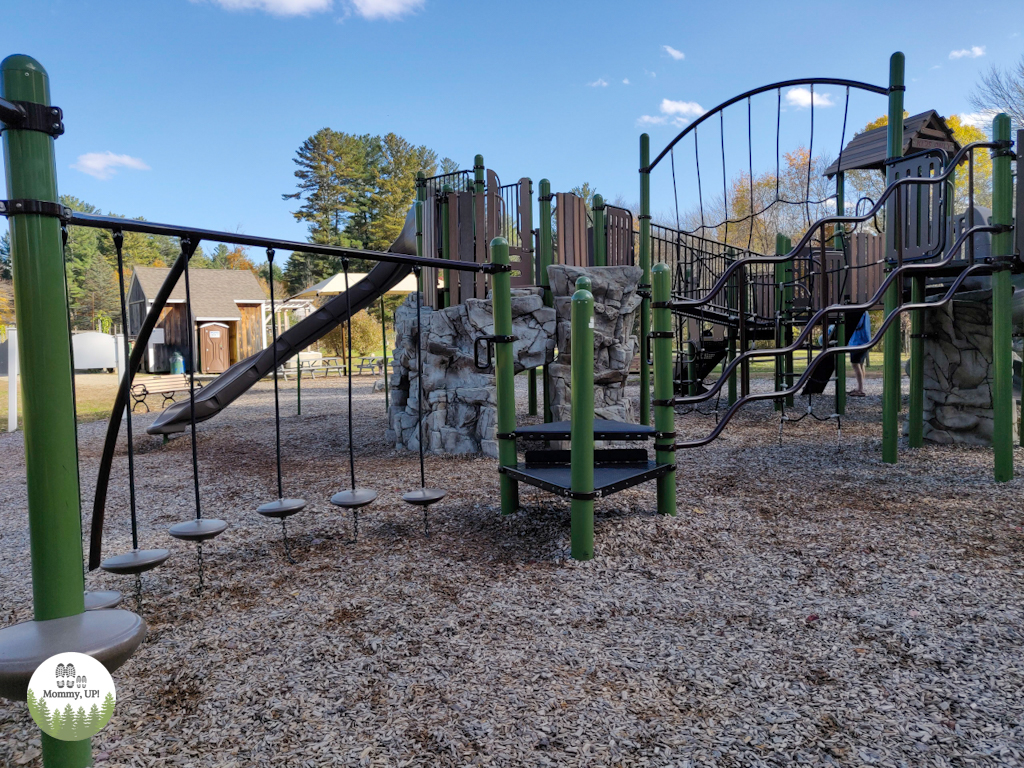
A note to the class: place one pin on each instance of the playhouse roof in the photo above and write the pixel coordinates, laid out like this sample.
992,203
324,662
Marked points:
867,151
214,291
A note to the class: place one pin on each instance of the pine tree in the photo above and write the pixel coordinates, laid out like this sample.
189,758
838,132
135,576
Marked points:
108,708
43,711
94,719
56,723
68,720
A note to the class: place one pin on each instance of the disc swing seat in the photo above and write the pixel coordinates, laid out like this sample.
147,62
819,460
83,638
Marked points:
282,508
199,529
138,561
422,496
354,498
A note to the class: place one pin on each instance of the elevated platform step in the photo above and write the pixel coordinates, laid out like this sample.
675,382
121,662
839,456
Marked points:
609,477
604,429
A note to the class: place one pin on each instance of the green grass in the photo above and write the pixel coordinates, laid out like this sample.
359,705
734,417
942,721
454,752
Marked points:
94,397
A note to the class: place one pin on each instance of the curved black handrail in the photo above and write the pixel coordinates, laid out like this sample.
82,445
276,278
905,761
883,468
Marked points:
833,309
795,388
781,258
763,89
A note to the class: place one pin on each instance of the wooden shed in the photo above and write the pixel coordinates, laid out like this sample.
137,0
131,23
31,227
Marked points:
230,312
867,151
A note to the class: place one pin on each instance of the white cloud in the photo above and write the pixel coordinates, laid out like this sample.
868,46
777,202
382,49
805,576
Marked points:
685,109
385,9
801,98
651,120
968,53
599,83
981,120
674,53
625,81
936,66
368,9
277,7
650,74
103,165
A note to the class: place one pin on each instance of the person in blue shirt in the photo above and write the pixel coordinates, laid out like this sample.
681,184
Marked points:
861,335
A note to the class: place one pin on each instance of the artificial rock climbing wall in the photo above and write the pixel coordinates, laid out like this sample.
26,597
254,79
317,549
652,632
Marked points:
616,302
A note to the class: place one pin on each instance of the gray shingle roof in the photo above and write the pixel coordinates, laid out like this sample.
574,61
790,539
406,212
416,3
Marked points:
214,291
868,150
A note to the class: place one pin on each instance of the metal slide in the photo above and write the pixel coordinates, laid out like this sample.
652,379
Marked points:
237,379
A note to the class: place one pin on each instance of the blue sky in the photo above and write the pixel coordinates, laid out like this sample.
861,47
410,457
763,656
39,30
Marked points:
190,111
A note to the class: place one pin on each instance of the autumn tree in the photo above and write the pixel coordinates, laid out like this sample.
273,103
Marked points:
1001,91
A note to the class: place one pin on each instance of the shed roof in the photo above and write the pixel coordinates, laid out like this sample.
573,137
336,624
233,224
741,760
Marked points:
214,291
867,151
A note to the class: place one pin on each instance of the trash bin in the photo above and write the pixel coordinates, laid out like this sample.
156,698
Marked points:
177,363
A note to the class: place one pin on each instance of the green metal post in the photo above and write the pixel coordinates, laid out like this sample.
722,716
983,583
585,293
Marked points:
582,425
530,247
664,415
478,183
501,289
1002,306
546,256
645,266
915,410
891,378
446,246
421,199
733,304
780,302
691,367
788,295
840,244
600,234
48,410
384,336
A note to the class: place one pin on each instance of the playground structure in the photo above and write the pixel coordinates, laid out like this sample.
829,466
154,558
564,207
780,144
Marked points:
750,296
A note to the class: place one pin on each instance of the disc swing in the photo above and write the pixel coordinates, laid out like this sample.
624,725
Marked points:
199,529
422,496
282,508
354,498
138,561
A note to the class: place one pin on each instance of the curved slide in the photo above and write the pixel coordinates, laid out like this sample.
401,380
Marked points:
237,379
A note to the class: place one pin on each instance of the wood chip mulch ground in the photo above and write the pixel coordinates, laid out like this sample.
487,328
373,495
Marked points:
808,606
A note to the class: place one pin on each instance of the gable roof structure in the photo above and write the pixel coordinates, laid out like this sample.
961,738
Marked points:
867,151
214,291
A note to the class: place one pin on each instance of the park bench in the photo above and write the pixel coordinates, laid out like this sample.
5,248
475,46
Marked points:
166,386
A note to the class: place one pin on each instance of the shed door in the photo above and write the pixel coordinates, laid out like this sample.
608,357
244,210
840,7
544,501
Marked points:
213,343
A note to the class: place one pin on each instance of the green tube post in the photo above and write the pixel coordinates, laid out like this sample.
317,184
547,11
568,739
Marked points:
546,255
891,377
840,245
664,415
1002,306
600,234
582,425
501,288
446,247
915,409
733,304
384,337
780,302
421,199
645,266
55,528
691,366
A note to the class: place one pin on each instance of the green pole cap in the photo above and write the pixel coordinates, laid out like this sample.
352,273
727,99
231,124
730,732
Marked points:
478,161
1001,127
583,283
897,67
19,62
545,186
660,267
598,202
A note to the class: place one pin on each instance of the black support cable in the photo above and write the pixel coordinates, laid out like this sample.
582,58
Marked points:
277,399
187,247
419,374
118,244
348,370
675,189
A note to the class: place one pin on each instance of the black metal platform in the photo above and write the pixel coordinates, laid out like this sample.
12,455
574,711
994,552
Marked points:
604,429
608,478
